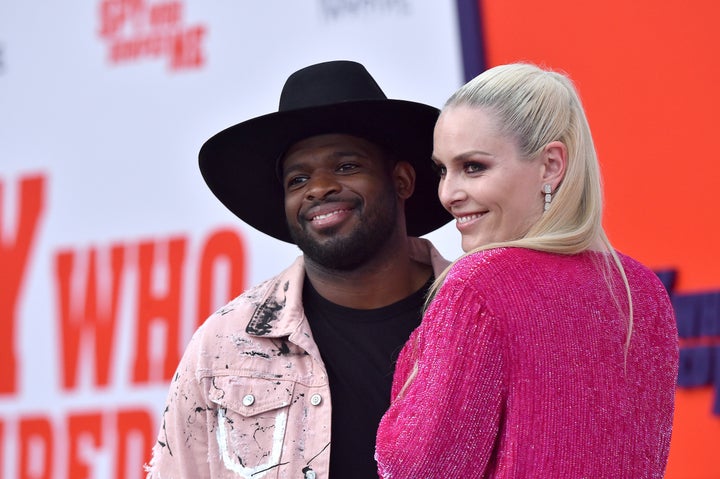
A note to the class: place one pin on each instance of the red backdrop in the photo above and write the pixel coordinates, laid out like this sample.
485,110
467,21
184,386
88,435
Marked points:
648,75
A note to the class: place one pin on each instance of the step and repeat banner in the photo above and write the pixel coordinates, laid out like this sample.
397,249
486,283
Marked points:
113,249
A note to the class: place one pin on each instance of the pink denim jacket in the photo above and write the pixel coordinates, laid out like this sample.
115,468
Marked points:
250,398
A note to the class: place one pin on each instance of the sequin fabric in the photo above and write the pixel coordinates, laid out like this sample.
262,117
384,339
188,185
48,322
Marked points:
522,373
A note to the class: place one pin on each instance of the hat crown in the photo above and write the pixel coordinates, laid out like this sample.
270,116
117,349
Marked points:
329,83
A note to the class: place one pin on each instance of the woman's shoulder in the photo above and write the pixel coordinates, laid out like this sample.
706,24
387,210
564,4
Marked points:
631,263
487,269
640,275
496,260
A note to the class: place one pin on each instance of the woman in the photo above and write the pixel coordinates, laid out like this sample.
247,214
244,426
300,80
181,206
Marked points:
544,353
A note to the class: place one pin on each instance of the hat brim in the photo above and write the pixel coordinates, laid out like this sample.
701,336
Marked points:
239,163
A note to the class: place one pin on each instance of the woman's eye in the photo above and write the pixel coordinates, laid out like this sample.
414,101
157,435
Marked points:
472,167
439,170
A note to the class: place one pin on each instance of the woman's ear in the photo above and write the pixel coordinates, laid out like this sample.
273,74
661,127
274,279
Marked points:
555,163
404,178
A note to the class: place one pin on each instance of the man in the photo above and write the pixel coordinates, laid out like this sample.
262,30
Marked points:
290,379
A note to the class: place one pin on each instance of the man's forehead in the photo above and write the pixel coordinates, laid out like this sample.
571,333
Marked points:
333,143
329,141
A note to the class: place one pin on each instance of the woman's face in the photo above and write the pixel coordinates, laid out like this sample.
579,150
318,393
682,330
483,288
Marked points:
493,193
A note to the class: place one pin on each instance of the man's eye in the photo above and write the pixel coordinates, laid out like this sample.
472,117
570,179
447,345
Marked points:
294,181
346,167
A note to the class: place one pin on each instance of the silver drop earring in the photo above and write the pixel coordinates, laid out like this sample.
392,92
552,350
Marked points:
547,189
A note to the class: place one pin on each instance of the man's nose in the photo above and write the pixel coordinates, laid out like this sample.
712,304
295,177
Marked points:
321,184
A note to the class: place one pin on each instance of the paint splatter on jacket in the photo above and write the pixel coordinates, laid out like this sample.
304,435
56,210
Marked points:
522,374
250,398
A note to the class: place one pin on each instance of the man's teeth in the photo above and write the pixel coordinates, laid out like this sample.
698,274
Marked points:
327,215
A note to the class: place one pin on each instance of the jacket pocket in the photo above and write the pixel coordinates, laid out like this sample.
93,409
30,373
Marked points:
252,418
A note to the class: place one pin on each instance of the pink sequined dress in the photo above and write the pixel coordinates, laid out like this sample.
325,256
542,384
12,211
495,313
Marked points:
522,373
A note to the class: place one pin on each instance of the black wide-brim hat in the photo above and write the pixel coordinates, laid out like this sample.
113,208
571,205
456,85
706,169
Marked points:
239,164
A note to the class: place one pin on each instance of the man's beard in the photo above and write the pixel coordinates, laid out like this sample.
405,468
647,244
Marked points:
351,250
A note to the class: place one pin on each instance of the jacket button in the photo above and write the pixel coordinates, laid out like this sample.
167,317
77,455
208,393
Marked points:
315,399
248,400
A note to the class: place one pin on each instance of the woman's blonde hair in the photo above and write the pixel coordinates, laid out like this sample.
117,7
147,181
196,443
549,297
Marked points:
533,107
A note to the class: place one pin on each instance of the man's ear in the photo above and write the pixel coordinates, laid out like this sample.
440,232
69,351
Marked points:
404,178
554,163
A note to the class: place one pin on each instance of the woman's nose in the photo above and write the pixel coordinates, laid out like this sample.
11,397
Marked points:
450,191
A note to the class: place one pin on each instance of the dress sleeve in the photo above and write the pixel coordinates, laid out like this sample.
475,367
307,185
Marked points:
446,421
404,365
181,450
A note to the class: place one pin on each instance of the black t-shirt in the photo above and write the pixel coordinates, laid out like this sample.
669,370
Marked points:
359,348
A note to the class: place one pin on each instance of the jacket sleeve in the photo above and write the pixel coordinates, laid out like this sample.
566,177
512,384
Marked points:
181,450
447,420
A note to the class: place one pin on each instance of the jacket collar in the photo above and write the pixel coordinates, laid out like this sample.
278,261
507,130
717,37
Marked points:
280,313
